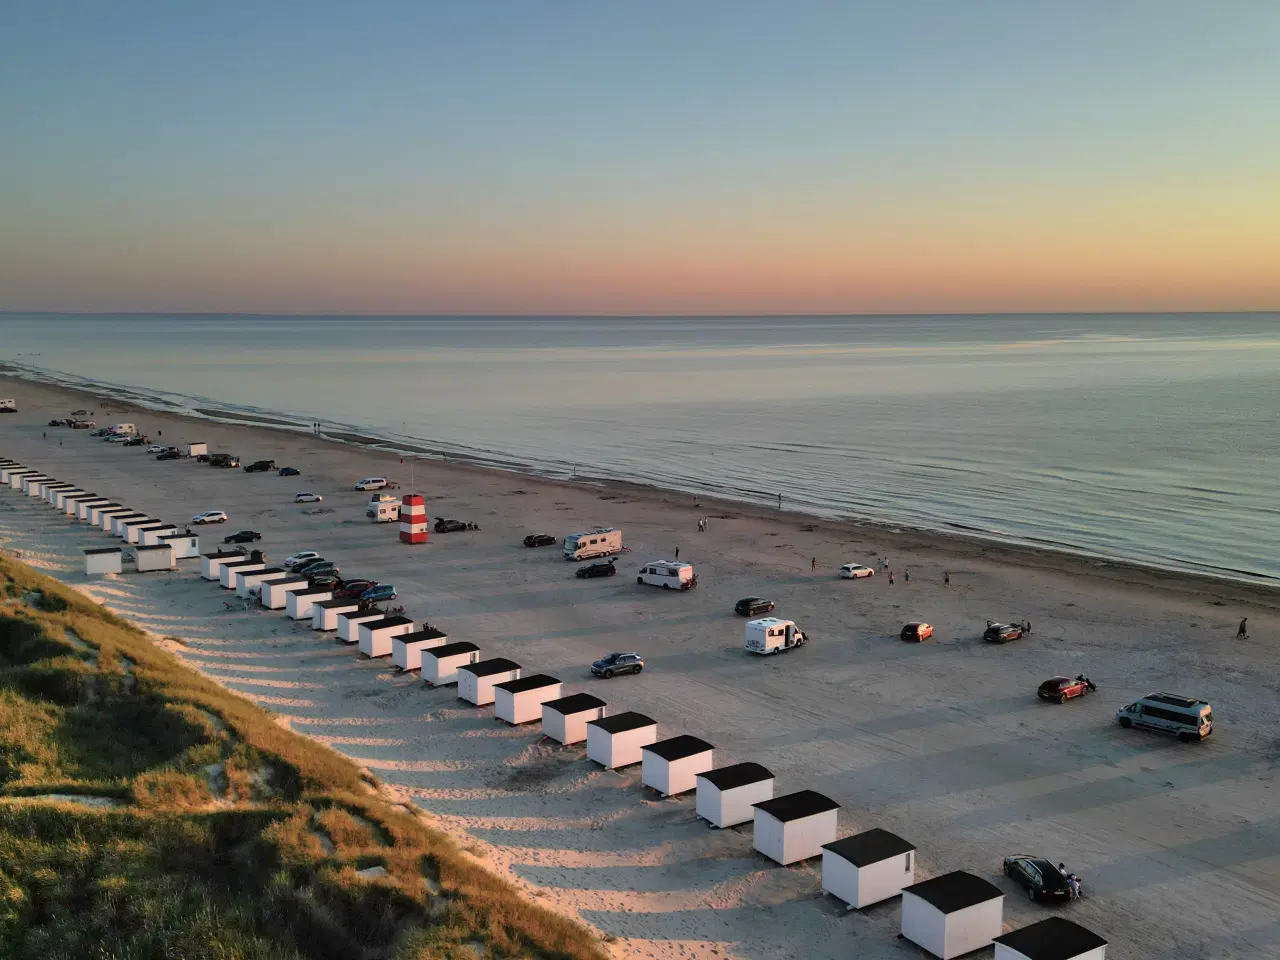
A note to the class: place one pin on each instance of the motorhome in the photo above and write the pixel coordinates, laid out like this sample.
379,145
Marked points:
1187,718
600,542
668,574
125,429
769,635
8,406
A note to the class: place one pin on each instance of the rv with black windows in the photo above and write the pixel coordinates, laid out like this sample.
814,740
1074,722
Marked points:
1183,717
600,542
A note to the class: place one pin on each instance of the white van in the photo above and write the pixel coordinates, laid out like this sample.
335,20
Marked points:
769,635
600,542
371,483
1184,717
668,574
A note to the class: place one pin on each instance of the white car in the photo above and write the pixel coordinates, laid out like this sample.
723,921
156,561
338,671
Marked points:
157,448
308,498
299,559
855,571
118,438
211,516
371,483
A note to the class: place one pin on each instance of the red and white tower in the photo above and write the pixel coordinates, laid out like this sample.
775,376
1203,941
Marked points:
413,519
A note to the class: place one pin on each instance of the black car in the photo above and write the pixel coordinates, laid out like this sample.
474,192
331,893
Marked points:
604,568
224,460
260,466
539,540
325,581
1038,876
1002,632
244,536
319,567
289,471
616,663
204,457
138,441
173,453
443,525
752,606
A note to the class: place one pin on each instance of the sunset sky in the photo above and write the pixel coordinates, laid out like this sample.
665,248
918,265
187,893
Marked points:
485,157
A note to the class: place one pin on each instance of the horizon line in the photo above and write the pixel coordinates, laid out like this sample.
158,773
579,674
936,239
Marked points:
630,316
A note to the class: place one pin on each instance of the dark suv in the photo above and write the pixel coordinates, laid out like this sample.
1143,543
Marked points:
617,663
1038,876
752,606
260,466
604,568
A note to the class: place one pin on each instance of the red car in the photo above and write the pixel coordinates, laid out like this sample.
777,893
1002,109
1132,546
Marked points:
1062,689
352,589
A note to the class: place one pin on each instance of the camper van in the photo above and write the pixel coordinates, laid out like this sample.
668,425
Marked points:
1184,717
8,406
769,635
600,542
668,574
383,508
124,429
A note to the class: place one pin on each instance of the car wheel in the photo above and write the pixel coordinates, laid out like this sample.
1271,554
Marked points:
1007,871
666,586
637,669
1031,894
639,579
1126,722
608,674
1062,698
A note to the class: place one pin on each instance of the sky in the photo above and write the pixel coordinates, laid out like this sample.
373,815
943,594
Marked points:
484,157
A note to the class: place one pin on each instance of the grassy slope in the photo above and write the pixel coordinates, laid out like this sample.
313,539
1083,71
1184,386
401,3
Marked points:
234,838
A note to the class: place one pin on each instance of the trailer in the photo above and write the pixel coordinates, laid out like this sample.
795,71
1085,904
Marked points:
769,635
197,449
8,405
600,542
383,508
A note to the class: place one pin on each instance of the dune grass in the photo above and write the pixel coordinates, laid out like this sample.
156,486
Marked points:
216,832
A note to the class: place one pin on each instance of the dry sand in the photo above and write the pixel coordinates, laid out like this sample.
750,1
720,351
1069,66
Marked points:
944,742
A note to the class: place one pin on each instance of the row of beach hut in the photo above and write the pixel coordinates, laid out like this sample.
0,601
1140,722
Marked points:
948,915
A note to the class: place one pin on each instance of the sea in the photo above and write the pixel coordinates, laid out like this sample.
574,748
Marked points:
1141,437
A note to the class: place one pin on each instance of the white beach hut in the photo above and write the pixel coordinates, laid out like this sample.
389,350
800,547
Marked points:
477,680
85,509
275,594
617,741
71,503
348,623
229,575
566,719
30,484
55,490
250,583
136,532
63,496
15,477
727,797
107,514
211,563
440,664
868,867
1054,938
520,701
795,826
406,649
324,610
121,522
672,766
154,534
300,603
153,558
375,636
953,914
7,469
185,545
103,560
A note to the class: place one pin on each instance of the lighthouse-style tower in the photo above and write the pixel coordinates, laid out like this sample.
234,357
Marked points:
413,519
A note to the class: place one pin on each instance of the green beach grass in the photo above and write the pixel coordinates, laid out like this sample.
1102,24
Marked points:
193,826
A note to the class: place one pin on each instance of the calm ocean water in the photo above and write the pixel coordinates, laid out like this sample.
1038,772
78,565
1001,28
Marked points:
1144,437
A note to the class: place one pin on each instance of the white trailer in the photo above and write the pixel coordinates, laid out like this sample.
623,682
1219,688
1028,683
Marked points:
769,635
124,429
197,449
383,508
406,649
8,405
600,542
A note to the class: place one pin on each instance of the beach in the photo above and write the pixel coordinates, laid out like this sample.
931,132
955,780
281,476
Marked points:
943,742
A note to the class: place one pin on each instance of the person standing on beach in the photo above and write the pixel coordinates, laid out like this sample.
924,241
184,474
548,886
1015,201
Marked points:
779,501
1243,632
677,553
813,564
891,578
946,579
906,575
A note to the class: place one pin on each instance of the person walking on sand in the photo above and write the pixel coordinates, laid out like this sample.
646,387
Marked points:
906,575
891,578
779,501
946,579
1243,632
677,553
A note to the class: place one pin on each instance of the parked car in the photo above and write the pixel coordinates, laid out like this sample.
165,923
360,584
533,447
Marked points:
260,466
602,568
1062,689
351,589
79,413
540,540
379,593
243,536
204,457
307,497
753,606
616,663
224,460
83,425
325,581
317,567
211,516
371,483
1187,718
916,632
289,471
1002,632
58,423
1039,877
137,441
173,453
444,525
157,448
100,432
118,438
855,571
301,558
